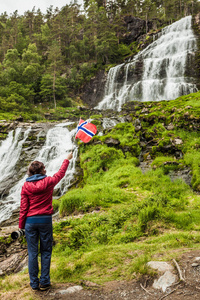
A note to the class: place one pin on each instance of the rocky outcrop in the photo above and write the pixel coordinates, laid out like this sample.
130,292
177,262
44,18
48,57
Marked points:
93,91
197,20
196,57
137,28
13,254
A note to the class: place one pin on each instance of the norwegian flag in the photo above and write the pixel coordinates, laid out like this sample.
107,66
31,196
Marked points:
85,131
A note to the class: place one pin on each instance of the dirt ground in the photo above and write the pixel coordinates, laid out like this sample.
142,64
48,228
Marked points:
189,289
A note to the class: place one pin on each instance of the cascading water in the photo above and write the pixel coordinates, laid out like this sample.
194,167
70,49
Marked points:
10,151
59,142
163,65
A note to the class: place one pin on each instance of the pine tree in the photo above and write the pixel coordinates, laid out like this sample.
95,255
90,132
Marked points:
55,63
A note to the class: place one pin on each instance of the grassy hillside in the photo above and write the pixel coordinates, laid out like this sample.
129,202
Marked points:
121,216
128,216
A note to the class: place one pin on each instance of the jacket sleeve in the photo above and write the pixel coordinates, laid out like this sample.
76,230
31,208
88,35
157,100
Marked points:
24,207
61,173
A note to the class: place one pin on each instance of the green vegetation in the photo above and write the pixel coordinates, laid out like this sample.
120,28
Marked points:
126,217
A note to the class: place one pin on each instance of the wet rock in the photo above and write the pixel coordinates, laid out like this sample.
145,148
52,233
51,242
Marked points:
93,91
22,265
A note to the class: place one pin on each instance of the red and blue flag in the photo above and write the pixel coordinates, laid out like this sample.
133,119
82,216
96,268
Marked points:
85,131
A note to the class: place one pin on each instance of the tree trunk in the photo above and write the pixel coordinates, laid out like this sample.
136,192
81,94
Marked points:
146,23
54,85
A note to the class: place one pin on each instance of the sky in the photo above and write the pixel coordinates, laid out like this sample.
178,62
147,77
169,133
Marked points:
23,5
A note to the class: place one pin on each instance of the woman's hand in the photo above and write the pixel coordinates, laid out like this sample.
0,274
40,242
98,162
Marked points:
69,156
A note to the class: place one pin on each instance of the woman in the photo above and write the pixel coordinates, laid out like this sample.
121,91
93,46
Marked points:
36,217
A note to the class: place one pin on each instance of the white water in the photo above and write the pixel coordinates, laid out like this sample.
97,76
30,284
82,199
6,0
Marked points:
10,150
163,76
59,143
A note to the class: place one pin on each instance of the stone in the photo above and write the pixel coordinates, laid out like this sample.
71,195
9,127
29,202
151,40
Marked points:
12,262
197,258
195,264
177,141
89,283
165,281
71,290
144,110
161,266
170,127
137,122
111,141
138,128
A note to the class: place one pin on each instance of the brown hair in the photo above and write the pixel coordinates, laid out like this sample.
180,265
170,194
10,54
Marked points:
36,167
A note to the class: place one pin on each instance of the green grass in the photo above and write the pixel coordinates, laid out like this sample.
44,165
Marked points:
139,215
102,263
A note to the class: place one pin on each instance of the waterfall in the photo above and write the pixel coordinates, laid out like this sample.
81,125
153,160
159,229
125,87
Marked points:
59,142
10,151
157,72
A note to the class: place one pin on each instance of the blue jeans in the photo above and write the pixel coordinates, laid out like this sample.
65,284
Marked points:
39,227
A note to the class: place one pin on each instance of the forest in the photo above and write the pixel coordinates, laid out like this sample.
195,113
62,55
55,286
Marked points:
45,59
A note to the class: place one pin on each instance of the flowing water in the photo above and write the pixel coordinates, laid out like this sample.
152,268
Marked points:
59,142
10,151
161,67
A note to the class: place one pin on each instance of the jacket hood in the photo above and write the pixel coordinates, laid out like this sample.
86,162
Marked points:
35,177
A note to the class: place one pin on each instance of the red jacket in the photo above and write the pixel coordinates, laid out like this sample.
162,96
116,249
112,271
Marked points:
36,196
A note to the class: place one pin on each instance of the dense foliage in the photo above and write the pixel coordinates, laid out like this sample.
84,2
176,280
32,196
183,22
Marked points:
46,58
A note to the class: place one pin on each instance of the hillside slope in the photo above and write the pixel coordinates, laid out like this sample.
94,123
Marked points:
136,199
